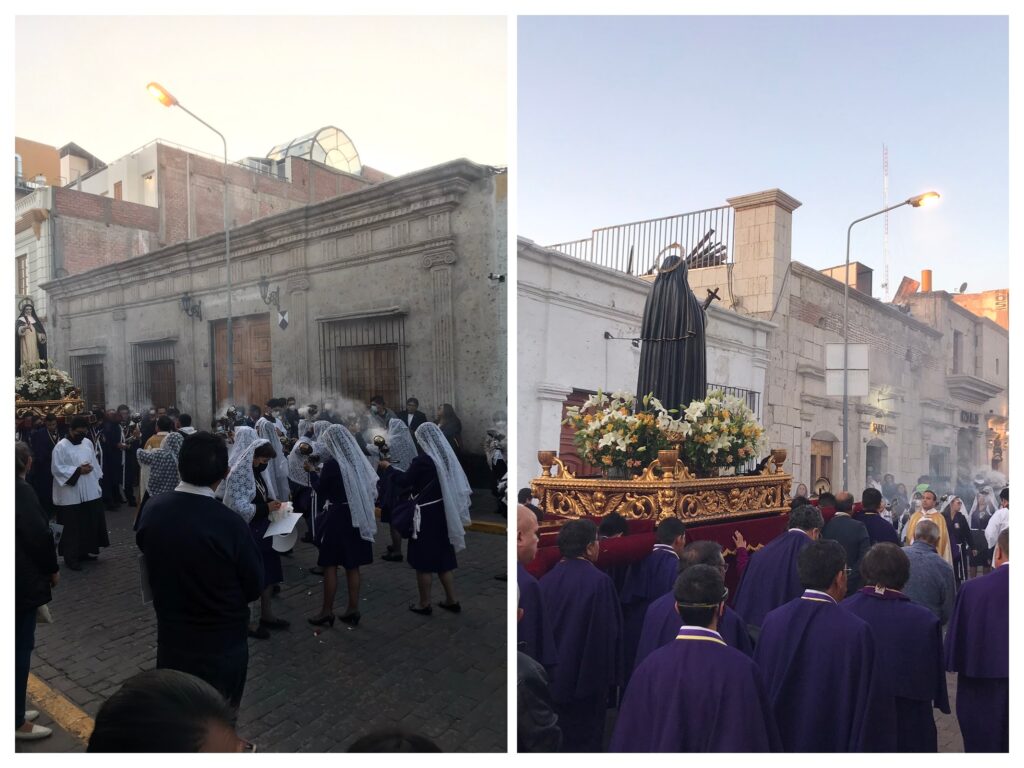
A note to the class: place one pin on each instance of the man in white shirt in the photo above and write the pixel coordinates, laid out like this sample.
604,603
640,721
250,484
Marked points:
1000,520
77,496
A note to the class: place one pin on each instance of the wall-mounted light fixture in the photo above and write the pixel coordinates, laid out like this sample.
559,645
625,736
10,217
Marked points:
191,307
270,297
635,342
496,277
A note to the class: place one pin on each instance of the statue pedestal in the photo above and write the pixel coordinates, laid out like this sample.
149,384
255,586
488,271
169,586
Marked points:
67,407
660,493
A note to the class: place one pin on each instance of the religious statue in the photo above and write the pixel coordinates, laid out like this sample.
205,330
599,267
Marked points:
30,338
672,355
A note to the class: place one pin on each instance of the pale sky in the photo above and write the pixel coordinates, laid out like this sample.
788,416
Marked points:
411,92
628,118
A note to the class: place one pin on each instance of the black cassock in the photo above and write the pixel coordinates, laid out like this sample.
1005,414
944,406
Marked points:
672,359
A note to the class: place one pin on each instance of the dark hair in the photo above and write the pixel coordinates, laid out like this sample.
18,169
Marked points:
871,498
935,496
185,420
254,407
1005,494
377,399
265,451
702,585
162,710
203,459
844,502
22,454
820,563
575,536
798,501
1003,542
123,407
669,530
613,524
447,412
50,417
164,424
525,494
826,499
806,518
886,564
414,401
79,421
704,552
393,740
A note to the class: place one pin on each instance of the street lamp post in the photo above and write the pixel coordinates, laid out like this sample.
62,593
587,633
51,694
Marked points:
162,95
914,202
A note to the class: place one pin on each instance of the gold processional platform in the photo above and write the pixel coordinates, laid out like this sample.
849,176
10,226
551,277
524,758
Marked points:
666,488
66,407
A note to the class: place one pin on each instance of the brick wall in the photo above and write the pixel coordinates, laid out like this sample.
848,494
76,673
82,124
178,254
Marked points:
93,231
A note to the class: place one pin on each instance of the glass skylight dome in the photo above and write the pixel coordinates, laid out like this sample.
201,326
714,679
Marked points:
329,145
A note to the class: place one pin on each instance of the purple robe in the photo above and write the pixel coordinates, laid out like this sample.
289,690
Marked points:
645,582
879,529
533,631
661,625
695,695
978,650
582,608
911,672
770,578
817,663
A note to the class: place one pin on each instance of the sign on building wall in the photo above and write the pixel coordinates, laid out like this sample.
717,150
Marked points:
858,384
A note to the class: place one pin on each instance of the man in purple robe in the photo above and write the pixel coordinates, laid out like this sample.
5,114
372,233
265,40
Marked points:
661,622
534,632
817,660
648,580
908,639
696,694
582,607
879,529
978,650
771,578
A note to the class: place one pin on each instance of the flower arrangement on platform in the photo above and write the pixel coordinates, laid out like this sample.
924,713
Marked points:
723,433
609,433
45,382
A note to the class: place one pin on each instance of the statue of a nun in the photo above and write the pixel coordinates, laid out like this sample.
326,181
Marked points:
672,358
29,340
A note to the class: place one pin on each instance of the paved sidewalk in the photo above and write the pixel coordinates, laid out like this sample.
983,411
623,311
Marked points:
442,676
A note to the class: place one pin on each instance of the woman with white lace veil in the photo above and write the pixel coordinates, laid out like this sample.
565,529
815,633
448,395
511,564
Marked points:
982,509
277,473
246,492
298,477
401,452
442,496
346,486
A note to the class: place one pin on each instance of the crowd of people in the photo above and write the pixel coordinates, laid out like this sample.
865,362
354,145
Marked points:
205,505
838,638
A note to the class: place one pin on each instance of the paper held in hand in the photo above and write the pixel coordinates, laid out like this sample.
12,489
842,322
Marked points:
284,525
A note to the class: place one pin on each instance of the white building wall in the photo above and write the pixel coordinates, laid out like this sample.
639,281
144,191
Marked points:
37,250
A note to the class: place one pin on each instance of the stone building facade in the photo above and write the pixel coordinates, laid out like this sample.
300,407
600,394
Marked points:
386,290
930,410
567,309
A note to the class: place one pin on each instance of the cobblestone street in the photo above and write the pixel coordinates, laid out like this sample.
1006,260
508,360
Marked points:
442,676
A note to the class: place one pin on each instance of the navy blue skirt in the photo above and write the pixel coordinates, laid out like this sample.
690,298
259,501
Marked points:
430,551
272,572
339,542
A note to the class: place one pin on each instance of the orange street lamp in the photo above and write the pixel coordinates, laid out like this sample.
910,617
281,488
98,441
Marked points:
164,96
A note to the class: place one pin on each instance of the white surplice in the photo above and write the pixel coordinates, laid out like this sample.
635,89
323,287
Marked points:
68,457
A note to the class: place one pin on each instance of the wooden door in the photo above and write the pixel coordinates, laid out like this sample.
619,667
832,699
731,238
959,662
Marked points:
162,391
253,366
371,370
92,386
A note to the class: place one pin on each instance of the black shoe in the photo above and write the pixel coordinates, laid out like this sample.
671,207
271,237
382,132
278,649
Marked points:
74,566
351,618
275,623
392,558
316,570
260,633
421,611
452,607
323,621
90,557
276,589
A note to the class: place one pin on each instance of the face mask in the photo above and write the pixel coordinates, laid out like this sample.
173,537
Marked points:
374,408
259,467
277,414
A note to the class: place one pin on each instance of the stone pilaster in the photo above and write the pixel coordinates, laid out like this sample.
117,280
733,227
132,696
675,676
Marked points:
443,364
762,247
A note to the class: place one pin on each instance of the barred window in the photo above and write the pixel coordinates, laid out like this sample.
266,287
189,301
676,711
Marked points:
87,372
22,270
153,374
364,356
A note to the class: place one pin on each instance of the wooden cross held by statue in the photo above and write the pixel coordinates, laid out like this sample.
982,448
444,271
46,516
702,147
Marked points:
712,296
